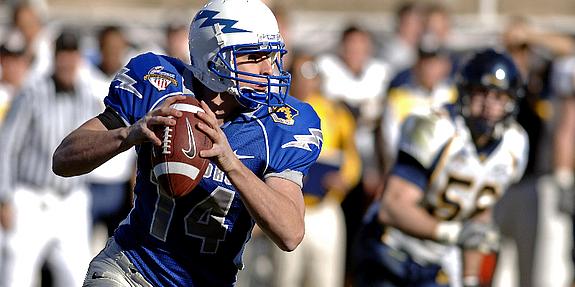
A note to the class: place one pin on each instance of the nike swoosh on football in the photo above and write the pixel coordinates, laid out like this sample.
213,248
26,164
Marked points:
191,152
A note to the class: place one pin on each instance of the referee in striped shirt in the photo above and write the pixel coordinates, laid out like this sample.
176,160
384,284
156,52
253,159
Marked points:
49,214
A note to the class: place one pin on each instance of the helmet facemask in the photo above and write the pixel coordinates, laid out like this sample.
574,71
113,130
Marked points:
276,84
493,76
488,120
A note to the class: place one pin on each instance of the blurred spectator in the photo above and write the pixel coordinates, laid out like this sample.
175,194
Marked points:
354,77
438,30
110,183
113,50
418,90
438,23
14,63
520,34
319,261
50,213
177,41
26,19
400,51
284,24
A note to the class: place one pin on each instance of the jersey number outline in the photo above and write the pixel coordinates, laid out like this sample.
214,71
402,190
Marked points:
205,221
487,195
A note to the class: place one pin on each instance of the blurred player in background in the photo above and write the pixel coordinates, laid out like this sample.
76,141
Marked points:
420,89
263,144
39,39
357,79
452,167
177,41
50,213
400,50
320,259
14,65
110,184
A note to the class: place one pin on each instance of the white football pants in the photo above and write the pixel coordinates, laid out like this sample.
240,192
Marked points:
112,268
52,228
319,261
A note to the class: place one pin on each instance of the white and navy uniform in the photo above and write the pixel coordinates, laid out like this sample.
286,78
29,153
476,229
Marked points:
405,97
361,93
51,217
437,154
198,239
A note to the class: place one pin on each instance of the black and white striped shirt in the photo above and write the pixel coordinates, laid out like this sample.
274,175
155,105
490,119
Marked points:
39,118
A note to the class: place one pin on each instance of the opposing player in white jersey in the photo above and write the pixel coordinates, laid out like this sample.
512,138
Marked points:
452,167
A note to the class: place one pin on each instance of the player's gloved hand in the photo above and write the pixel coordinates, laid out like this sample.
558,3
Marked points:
479,236
563,181
469,235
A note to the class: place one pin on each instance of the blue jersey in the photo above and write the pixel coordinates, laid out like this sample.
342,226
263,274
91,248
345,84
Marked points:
198,239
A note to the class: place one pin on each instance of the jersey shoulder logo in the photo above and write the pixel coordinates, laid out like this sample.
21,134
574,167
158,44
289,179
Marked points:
284,115
126,82
160,79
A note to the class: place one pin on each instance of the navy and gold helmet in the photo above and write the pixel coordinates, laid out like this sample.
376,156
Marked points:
489,70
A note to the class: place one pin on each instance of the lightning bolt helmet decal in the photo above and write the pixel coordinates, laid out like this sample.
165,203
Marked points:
227,24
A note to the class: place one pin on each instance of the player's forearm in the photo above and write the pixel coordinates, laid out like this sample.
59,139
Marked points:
472,261
559,45
277,215
414,221
84,150
400,208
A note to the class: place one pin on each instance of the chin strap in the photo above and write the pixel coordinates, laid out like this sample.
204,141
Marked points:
250,105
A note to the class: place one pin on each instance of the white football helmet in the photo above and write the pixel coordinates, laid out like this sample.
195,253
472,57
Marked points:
224,29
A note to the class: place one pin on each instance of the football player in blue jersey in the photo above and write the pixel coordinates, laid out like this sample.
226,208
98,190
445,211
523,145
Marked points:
452,167
263,144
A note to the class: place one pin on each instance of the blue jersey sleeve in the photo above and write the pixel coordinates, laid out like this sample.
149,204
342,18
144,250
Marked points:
295,141
142,84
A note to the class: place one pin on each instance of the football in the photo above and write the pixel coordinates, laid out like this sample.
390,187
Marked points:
177,164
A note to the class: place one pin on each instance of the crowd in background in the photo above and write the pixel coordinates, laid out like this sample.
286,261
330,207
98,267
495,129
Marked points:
362,89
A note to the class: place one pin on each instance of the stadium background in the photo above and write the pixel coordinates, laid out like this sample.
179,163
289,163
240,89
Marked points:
474,22
315,26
